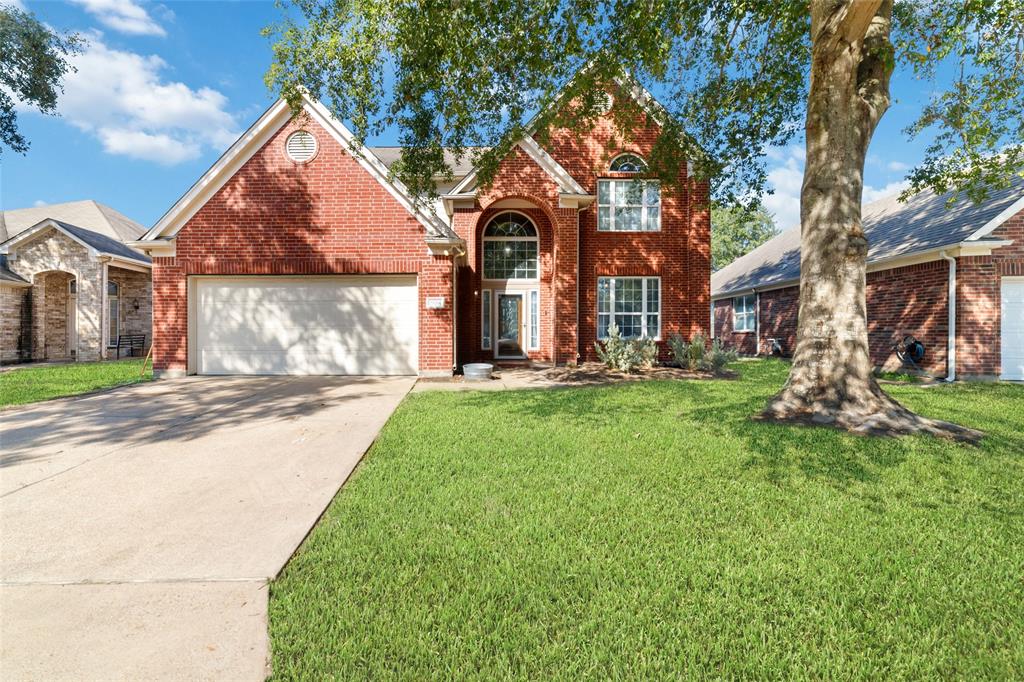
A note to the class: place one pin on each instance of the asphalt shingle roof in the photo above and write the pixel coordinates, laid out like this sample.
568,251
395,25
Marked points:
893,229
102,242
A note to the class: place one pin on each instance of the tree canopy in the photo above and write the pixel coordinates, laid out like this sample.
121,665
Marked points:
33,62
732,74
736,232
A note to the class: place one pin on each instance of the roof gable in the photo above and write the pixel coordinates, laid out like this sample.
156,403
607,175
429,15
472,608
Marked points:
95,243
255,138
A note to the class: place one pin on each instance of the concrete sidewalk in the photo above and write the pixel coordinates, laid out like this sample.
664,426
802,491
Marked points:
140,526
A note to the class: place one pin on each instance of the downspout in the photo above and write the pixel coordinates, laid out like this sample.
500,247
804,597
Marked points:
951,325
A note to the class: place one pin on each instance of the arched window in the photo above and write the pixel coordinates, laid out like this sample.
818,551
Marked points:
113,312
632,205
627,163
510,247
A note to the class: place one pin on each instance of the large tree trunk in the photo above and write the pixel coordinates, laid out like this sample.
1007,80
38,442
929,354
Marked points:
831,380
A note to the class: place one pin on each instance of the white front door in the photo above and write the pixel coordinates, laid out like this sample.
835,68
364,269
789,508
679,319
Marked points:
1012,332
357,325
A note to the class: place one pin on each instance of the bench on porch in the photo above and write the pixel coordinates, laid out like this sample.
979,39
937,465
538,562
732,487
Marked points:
132,342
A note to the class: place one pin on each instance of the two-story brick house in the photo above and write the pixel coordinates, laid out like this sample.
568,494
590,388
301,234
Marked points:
299,253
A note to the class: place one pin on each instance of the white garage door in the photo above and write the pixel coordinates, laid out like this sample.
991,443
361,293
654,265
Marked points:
306,325
1012,341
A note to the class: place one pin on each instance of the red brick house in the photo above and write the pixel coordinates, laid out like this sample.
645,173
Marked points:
298,253
951,275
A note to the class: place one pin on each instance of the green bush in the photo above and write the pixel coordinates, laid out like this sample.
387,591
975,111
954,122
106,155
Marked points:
720,355
626,355
696,356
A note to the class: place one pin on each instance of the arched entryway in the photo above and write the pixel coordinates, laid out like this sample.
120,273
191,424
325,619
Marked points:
55,315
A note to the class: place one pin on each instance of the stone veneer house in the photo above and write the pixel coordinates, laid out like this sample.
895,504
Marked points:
68,283
299,253
949,274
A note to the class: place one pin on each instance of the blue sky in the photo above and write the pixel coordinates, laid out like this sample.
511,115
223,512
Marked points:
163,89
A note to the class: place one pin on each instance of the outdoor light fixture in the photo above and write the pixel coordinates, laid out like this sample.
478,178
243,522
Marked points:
135,304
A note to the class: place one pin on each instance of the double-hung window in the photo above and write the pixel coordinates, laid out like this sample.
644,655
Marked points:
633,304
744,315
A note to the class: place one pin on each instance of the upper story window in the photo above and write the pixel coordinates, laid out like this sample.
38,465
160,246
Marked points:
510,248
628,163
628,205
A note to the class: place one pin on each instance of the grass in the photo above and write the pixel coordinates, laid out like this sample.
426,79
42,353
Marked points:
32,384
652,530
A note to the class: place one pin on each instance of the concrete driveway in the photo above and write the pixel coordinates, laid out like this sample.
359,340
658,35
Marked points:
139,527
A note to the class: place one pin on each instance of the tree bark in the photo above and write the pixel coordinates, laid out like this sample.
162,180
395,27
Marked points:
831,380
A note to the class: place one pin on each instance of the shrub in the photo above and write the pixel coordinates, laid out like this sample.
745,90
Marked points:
720,355
626,355
689,354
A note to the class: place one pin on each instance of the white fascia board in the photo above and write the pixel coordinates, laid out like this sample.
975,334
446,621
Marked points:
129,263
40,227
243,149
991,226
155,247
577,201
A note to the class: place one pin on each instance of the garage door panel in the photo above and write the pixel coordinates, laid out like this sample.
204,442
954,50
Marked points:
1012,333
358,325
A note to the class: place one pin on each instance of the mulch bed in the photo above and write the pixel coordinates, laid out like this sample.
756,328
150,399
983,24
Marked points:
590,373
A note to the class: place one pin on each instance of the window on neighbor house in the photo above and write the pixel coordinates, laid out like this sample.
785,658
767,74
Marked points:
113,312
628,205
485,319
510,248
633,304
744,315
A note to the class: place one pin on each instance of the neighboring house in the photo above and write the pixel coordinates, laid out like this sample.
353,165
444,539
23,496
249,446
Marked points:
922,254
298,253
68,283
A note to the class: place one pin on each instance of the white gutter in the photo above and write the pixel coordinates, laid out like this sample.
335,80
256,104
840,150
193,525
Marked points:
951,306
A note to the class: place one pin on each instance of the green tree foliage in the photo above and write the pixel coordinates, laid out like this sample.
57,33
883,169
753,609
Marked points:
733,76
33,62
736,232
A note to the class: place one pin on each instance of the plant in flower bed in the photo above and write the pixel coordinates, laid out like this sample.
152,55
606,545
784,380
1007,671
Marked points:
696,356
626,355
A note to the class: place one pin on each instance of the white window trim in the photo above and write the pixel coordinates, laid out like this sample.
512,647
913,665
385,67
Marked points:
644,208
643,294
113,325
532,297
635,156
483,250
748,314
485,319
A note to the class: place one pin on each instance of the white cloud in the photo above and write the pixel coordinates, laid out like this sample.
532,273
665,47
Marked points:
126,16
874,194
38,202
14,4
897,166
787,179
122,99
158,147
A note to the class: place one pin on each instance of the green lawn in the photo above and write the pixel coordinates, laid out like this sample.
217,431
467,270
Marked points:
652,530
31,384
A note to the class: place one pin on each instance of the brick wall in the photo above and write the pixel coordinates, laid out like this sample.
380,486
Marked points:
979,315
679,254
13,310
913,300
275,217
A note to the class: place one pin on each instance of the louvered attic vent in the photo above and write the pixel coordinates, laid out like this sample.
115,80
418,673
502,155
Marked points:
300,146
